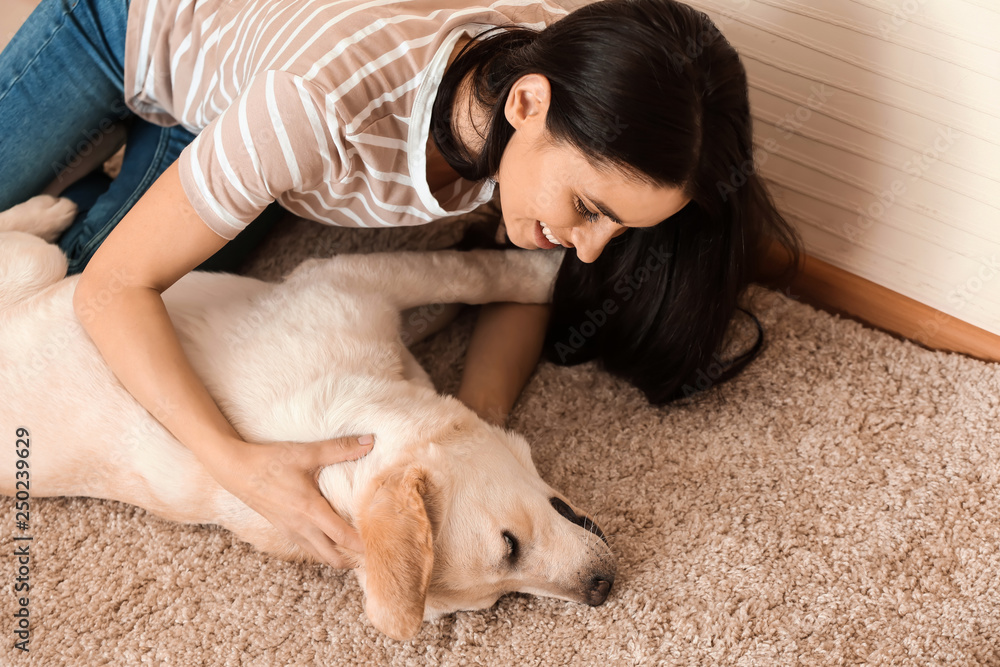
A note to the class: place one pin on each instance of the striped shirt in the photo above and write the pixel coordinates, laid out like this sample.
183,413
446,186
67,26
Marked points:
322,105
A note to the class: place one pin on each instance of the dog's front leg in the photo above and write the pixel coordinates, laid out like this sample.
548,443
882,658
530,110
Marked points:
44,216
412,279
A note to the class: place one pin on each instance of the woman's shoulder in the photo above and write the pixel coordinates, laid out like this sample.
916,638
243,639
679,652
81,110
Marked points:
385,53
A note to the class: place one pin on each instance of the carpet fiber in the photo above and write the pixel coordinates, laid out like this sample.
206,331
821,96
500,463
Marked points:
835,504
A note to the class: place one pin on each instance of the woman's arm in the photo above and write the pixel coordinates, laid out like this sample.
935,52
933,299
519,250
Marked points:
502,355
118,302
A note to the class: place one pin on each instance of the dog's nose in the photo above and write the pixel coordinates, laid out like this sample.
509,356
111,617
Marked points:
599,589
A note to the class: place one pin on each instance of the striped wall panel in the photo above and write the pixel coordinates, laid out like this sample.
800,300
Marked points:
878,128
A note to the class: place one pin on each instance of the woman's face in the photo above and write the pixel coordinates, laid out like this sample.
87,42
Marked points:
551,196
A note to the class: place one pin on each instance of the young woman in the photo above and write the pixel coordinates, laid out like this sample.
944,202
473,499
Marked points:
621,130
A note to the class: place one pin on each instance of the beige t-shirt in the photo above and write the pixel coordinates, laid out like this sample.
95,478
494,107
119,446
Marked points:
322,105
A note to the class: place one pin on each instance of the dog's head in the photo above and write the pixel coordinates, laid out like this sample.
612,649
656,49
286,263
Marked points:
467,520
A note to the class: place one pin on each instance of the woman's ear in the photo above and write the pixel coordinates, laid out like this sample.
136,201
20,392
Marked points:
399,552
528,100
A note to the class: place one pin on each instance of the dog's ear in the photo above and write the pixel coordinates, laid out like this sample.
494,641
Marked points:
399,552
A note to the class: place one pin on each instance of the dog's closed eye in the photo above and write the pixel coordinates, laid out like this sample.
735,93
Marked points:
513,547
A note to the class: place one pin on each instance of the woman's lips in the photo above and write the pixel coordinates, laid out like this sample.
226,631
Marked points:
540,239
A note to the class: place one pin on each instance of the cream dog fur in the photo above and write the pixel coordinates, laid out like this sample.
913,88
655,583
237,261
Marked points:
451,510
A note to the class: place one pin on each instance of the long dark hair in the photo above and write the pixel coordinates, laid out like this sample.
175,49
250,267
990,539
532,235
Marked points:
654,89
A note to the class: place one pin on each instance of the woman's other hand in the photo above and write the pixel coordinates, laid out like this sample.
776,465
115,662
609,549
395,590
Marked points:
118,301
279,481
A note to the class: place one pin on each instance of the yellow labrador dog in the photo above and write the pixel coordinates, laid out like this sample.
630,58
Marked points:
451,510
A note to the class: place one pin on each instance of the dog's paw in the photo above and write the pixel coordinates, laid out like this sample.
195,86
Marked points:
45,216
52,215
549,263
533,273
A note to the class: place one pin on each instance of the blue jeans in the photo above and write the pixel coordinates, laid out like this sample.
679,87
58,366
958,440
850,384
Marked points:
61,86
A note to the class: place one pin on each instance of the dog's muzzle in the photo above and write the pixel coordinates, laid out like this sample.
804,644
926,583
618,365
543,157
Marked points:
599,585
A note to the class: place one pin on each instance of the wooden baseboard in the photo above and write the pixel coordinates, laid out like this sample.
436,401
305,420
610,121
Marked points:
835,290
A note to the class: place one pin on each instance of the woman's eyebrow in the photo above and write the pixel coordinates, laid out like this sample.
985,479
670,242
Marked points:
605,210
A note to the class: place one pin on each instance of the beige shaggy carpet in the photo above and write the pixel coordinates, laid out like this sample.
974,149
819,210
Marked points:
836,504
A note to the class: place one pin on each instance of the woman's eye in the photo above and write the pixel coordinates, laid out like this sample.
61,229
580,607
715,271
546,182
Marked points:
511,545
589,215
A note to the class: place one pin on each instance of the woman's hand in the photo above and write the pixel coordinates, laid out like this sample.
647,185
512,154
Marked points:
279,481
118,301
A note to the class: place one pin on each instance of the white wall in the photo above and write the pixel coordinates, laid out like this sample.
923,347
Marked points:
878,125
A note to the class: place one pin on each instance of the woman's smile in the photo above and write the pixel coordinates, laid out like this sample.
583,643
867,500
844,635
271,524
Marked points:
545,239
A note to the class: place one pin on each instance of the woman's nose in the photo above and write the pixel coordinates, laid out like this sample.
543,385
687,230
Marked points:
591,239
